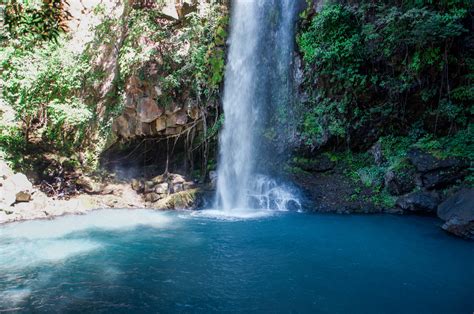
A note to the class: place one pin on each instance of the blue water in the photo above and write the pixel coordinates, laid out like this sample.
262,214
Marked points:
141,261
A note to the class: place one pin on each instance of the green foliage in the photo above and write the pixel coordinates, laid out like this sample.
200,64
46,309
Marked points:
35,21
386,66
459,145
41,84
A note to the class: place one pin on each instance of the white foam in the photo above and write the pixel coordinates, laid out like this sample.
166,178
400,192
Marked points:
31,243
235,214
10,299
107,219
22,254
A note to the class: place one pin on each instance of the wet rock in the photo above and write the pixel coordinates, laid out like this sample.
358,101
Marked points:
419,202
399,183
458,213
181,200
213,178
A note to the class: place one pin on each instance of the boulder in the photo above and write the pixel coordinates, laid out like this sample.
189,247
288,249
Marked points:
23,196
159,179
181,200
181,117
458,213
148,110
398,183
437,173
162,188
152,197
121,127
14,188
160,124
442,178
178,187
419,202
149,186
137,185
89,185
425,162
176,178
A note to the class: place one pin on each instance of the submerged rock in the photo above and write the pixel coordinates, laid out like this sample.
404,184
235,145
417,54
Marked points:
458,213
419,202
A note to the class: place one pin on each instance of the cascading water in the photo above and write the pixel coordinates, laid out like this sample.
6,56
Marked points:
257,84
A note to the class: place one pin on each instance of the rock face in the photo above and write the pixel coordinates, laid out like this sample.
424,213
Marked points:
437,173
458,213
377,153
16,188
419,202
168,191
399,183
5,170
321,163
145,116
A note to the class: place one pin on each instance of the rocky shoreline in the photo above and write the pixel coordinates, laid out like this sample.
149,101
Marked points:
326,186
428,186
21,200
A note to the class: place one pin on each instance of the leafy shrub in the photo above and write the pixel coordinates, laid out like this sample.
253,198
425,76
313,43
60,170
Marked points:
379,68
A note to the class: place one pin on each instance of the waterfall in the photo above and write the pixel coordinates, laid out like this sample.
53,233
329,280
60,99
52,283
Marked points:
257,85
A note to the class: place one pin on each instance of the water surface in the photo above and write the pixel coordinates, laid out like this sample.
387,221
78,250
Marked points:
143,261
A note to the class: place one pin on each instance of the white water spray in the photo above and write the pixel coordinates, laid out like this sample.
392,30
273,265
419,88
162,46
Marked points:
258,72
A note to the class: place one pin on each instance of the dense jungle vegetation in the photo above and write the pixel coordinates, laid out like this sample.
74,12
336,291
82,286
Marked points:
64,100
397,72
